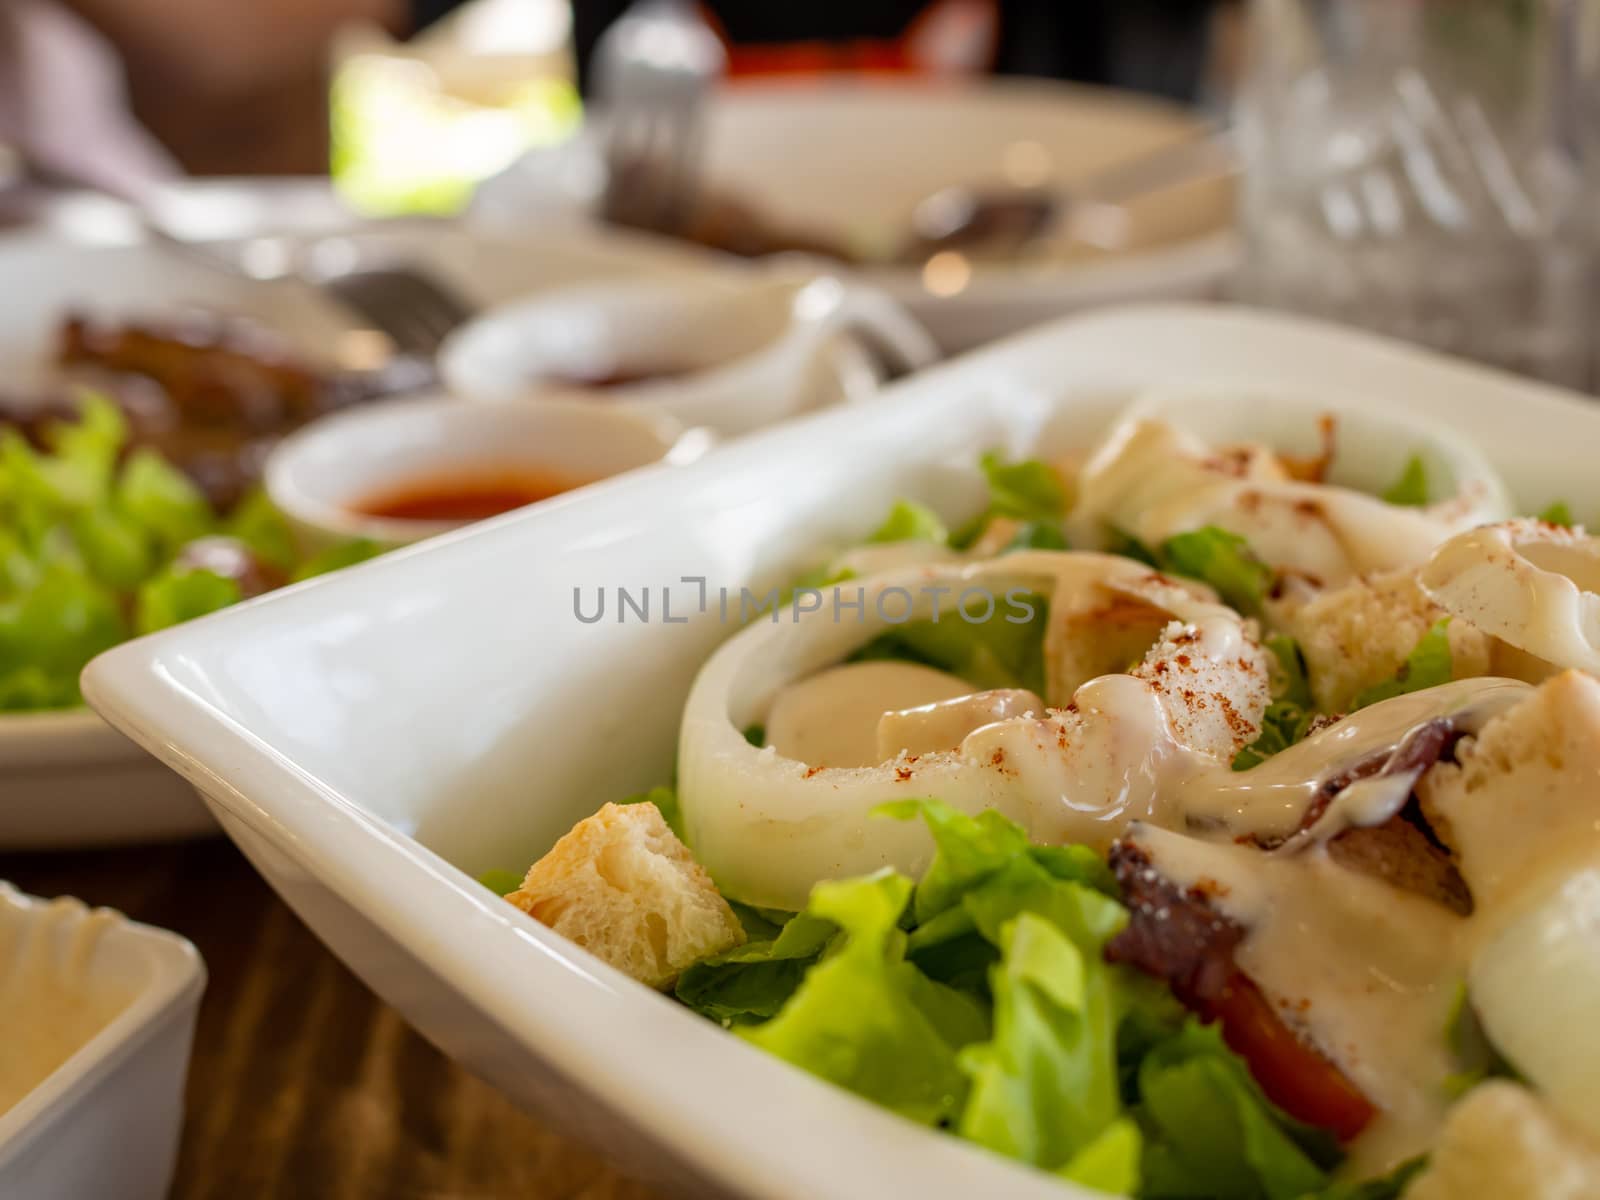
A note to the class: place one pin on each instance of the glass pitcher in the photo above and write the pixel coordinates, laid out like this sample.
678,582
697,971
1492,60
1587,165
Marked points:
1424,168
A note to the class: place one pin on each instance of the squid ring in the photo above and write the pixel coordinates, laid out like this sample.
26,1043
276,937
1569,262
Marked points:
769,827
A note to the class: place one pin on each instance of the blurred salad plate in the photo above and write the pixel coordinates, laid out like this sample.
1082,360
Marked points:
145,508
804,168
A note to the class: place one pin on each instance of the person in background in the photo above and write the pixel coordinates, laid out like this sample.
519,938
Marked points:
242,87
1159,46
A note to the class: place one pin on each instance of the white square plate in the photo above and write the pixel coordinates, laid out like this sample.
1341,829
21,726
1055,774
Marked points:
373,740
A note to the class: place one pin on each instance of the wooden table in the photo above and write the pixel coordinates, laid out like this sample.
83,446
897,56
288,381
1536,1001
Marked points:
303,1084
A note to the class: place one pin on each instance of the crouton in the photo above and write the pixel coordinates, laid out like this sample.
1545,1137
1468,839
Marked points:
1358,635
1501,1141
1521,795
622,886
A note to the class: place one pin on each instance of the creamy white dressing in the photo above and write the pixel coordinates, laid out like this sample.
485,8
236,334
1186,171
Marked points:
1270,801
1535,587
944,724
1367,973
50,1008
1152,481
831,719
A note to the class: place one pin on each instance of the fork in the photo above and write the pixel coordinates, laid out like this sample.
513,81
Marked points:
413,309
652,71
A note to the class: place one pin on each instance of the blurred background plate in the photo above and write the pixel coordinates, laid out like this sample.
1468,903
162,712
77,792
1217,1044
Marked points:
67,779
849,160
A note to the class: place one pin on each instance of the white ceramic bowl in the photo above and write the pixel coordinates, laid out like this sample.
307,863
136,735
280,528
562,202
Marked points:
740,355
320,474
375,741
121,998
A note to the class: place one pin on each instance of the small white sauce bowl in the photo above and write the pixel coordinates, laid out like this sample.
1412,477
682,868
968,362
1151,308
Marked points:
112,1005
740,356
320,475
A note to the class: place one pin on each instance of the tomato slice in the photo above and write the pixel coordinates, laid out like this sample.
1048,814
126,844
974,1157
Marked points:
1294,1076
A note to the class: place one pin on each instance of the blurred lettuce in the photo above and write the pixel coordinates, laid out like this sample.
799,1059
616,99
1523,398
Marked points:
88,541
1428,665
1411,488
1559,513
500,881
1288,717
49,631
336,558
666,800
177,595
1028,491
1221,559
1004,649
163,500
909,521
259,525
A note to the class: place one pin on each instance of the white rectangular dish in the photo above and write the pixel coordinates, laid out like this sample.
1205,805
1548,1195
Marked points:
373,741
116,1005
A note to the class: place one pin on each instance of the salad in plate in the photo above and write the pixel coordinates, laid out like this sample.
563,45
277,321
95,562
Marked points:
101,541
1187,823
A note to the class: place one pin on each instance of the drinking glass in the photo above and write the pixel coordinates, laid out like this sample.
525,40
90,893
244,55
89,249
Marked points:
1425,168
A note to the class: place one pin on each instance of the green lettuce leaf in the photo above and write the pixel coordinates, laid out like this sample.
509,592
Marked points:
1428,665
1288,718
1411,489
499,881
1557,514
1128,546
909,521
162,500
1110,1163
259,525
1045,1089
1290,681
182,594
1029,491
1211,1135
50,631
336,558
666,799
117,549
1005,650
1221,559
855,1021
1386,1187
754,981
89,447
971,849
1474,1052
1282,725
